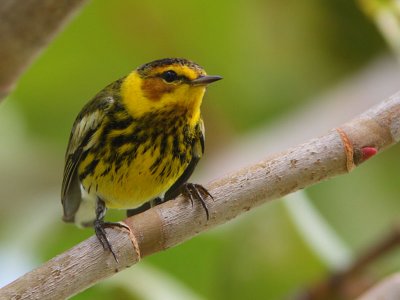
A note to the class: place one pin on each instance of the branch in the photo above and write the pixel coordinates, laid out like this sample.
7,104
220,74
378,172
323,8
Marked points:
173,222
26,27
349,283
387,289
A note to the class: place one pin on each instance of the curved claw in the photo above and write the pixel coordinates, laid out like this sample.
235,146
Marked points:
100,225
204,191
101,234
197,192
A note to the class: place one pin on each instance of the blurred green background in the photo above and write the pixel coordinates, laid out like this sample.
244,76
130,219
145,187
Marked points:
277,58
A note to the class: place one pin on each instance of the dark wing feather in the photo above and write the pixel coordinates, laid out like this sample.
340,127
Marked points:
81,140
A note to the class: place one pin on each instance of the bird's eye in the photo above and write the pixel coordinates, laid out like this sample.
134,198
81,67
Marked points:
169,76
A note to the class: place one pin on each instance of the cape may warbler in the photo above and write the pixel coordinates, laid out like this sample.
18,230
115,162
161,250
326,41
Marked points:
136,143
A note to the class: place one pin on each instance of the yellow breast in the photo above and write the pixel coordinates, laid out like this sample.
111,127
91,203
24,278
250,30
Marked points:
136,182
142,167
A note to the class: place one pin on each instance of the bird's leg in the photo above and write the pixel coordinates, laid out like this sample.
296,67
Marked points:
156,201
197,192
134,211
100,225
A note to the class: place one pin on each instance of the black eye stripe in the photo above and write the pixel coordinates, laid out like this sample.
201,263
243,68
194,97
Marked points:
171,76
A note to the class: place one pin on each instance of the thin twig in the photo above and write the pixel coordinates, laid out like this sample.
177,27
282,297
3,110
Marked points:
349,283
387,289
174,222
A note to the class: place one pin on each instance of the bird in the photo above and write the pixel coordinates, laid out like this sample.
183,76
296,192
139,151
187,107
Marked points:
135,144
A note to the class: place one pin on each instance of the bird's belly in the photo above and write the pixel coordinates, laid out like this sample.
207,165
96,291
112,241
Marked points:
131,182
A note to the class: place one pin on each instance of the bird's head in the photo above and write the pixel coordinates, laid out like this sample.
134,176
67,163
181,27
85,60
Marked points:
171,83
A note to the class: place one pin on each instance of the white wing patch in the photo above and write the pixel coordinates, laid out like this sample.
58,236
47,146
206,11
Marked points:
86,213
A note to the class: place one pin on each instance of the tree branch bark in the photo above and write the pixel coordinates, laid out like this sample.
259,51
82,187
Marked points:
171,223
26,27
387,289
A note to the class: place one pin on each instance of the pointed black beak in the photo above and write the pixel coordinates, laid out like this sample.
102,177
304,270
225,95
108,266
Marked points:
204,80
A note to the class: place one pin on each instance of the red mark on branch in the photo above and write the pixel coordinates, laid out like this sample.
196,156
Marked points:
368,152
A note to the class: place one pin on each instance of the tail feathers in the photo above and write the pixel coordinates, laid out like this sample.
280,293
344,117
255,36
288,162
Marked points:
68,219
71,200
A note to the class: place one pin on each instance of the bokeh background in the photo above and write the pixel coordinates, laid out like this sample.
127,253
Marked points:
292,70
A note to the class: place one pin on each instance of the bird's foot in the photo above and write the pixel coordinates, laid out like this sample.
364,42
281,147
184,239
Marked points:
197,192
99,228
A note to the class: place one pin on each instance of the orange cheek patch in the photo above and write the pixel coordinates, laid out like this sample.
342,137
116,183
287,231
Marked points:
155,88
